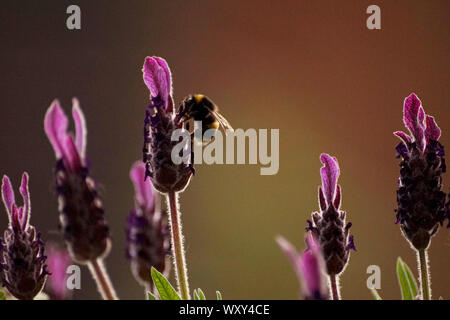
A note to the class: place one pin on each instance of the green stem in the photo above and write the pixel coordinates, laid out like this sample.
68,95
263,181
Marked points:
177,246
334,287
424,274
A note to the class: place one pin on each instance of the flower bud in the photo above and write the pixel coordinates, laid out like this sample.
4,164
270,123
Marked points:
328,224
421,201
58,262
309,267
147,231
22,259
81,214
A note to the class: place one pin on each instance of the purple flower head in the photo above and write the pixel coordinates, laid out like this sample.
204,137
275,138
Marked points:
309,267
329,193
422,128
71,150
329,225
144,194
421,202
158,79
147,231
160,122
22,259
82,221
58,261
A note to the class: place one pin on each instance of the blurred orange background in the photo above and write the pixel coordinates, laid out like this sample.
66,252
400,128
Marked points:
309,68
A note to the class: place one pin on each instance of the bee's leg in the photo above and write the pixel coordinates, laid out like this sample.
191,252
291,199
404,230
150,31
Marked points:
179,113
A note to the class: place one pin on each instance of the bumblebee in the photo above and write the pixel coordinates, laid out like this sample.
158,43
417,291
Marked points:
200,108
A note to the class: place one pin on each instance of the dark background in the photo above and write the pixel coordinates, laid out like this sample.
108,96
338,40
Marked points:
311,69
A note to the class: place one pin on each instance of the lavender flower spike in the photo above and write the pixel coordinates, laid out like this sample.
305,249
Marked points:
81,215
166,176
58,261
421,201
309,267
329,225
160,122
22,259
147,231
82,220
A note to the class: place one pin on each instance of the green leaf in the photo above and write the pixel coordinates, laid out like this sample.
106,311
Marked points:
406,281
2,295
201,294
411,280
151,296
196,296
165,289
219,295
375,294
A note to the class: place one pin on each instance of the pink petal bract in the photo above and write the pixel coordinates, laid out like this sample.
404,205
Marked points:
330,174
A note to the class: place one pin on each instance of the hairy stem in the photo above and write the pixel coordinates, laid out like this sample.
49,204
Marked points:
149,288
424,274
101,277
334,287
177,246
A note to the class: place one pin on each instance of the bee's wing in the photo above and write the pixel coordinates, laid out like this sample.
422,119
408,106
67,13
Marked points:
223,122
